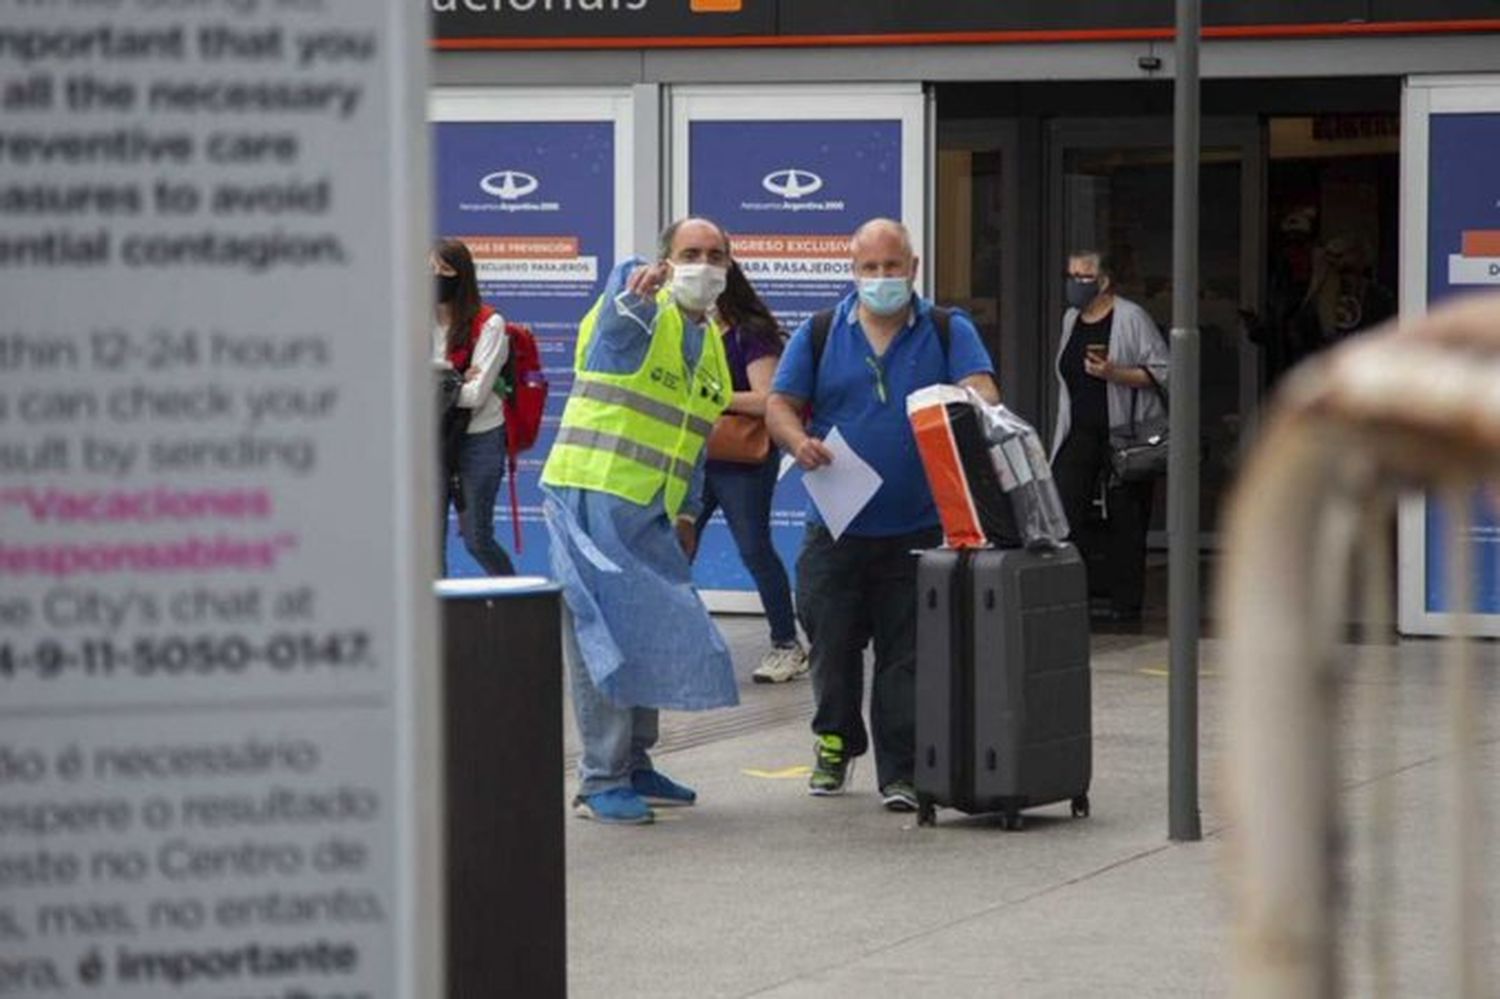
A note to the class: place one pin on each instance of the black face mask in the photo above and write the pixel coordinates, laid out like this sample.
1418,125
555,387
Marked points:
446,288
1080,293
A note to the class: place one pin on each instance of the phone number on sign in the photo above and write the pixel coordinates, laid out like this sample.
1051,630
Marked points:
174,656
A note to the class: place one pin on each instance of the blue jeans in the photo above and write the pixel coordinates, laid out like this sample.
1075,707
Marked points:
481,467
615,740
850,593
745,496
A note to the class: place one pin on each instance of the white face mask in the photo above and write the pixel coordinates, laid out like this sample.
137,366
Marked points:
697,286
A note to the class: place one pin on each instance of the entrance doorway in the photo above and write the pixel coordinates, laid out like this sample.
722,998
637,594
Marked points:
1281,185
1111,190
1333,188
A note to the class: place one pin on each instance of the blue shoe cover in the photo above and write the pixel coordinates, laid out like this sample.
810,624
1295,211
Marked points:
617,806
659,789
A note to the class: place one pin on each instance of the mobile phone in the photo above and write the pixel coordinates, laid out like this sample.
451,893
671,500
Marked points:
1096,351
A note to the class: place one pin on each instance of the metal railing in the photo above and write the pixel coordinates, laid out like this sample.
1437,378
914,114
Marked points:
1309,529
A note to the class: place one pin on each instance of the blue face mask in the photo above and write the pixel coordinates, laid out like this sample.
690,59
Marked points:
885,296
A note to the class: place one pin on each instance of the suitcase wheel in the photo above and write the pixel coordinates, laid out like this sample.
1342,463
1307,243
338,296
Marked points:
926,811
1081,807
1012,821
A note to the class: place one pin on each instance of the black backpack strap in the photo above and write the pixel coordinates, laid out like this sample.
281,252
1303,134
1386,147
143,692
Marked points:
942,320
822,325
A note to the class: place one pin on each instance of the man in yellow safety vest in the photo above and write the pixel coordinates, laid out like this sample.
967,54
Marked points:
622,486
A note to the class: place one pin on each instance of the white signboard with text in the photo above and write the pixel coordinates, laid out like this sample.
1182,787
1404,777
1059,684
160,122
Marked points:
791,172
1450,248
214,767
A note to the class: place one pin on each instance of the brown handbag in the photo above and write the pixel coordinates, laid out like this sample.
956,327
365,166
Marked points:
741,439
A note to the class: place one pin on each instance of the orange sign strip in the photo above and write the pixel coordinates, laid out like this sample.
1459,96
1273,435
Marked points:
811,247
1246,31
525,247
1482,243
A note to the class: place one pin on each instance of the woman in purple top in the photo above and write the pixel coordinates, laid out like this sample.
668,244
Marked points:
753,342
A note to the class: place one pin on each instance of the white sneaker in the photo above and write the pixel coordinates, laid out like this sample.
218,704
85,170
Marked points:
781,665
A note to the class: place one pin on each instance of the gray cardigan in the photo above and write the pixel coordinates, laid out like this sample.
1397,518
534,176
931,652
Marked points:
1134,341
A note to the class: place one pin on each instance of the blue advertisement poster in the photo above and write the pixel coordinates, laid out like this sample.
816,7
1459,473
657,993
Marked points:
790,193
535,203
1463,255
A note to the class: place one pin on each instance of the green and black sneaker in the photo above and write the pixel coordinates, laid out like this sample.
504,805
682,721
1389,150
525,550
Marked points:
899,796
831,768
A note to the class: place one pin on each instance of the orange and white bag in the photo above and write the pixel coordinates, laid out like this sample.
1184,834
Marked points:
987,471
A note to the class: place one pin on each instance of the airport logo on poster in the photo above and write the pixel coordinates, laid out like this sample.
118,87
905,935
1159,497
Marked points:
508,185
792,185
510,191
1478,261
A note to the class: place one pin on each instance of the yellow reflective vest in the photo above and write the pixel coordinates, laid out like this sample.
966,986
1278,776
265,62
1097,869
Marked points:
633,434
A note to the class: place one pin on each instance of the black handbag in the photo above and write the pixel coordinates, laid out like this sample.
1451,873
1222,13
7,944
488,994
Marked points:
1139,452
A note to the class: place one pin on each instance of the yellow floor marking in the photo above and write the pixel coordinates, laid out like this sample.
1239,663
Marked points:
1153,671
785,773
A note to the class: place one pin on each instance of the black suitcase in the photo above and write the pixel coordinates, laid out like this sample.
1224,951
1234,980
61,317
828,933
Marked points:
1003,686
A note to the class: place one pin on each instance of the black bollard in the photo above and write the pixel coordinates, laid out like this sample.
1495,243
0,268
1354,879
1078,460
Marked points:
502,667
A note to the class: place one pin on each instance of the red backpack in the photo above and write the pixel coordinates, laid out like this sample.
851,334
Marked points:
523,391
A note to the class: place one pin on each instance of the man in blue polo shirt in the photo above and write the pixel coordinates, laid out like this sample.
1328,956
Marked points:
882,344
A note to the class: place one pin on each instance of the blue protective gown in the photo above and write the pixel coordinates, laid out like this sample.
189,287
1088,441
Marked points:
645,635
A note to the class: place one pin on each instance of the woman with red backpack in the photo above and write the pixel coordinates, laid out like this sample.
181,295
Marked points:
470,337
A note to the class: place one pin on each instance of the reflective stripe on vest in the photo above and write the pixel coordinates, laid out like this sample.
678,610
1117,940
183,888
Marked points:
618,395
598,440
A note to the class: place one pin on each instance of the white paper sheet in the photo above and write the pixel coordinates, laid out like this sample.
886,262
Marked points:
841,490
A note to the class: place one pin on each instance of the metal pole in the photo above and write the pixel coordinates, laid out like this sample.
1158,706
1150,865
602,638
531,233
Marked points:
1182,468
